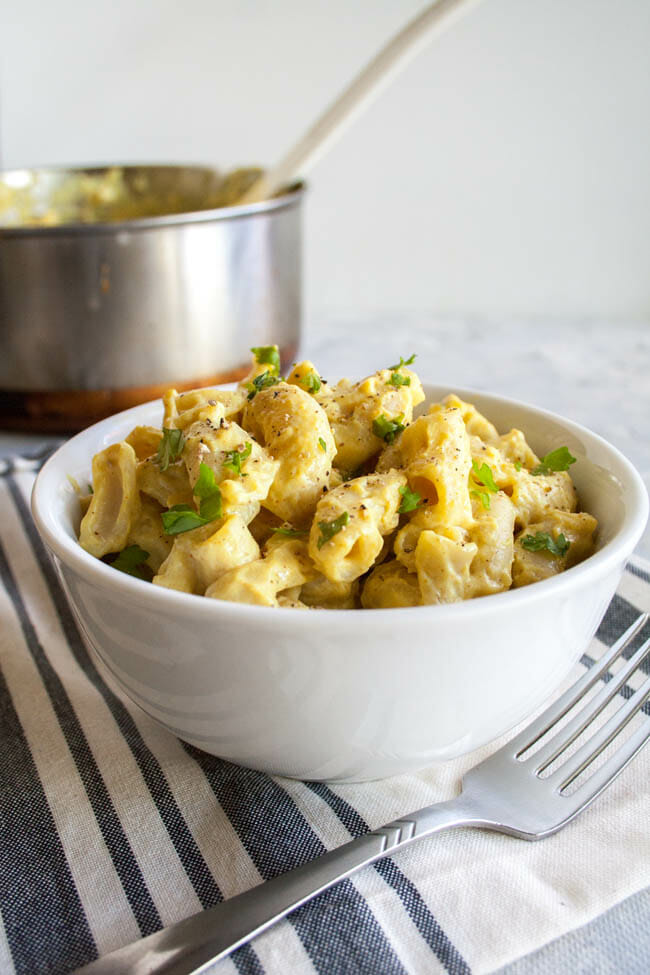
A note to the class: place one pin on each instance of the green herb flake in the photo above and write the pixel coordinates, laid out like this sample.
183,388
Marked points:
210,508
410,500
387,429
234,459
518,465
170,447
132,560
182,518
263,381
322,445
209,494
289,532
397,379
541,541
559,459
328,529
481,482
267,355
404,362
311,382
206,484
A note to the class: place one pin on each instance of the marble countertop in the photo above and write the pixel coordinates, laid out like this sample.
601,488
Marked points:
593,373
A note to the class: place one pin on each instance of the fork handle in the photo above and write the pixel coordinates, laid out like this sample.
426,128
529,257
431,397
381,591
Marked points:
196,941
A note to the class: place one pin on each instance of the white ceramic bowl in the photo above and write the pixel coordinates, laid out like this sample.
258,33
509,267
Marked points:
345,695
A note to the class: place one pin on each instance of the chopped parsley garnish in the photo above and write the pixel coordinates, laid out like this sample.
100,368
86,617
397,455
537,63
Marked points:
289,532
517,465
170,447
387,429
328,529
557,460
404,362
481,482
322,444
132,560
267,355
182,518
410,500
235,457
263,381
541,541
207,490
397,379
311,382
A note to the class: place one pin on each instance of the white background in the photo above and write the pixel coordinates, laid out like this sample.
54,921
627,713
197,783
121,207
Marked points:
505,172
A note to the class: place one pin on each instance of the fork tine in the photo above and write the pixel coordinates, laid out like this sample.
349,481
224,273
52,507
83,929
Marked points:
606,774
559,708
570,731
583,757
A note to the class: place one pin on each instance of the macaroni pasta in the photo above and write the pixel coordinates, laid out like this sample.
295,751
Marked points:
294,493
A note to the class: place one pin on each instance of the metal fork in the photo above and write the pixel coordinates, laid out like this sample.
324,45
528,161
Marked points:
507,793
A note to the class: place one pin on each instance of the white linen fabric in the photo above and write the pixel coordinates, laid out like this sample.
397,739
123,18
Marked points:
111,828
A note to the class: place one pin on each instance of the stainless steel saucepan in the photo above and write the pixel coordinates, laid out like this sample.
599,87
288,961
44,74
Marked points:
116,282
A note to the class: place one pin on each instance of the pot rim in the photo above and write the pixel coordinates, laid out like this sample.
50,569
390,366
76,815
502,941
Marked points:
290,198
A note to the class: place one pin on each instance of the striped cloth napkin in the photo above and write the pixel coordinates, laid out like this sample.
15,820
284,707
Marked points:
111,828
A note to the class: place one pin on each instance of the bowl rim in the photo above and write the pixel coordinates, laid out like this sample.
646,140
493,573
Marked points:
611,557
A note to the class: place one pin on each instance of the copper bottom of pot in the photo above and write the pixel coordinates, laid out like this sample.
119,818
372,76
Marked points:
69,411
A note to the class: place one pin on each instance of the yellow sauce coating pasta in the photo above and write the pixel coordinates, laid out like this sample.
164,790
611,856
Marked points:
294,494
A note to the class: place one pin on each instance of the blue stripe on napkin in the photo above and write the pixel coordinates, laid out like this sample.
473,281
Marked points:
635,570
413,902
126,865
338,929
43,916
197,870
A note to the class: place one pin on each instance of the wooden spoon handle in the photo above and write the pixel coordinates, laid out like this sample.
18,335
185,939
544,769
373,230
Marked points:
357,96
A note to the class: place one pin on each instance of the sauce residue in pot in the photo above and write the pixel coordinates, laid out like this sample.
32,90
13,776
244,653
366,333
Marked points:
51,198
